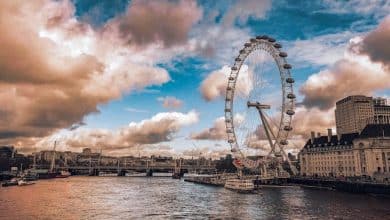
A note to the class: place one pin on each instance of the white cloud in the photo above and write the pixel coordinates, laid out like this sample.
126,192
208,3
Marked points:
158,129
170,102
321,50
242,10
214,85
376,8
135,110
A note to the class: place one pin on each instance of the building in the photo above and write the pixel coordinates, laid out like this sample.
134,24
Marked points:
381,114
7,151
10,159
353,113
87,151
349,155
380,101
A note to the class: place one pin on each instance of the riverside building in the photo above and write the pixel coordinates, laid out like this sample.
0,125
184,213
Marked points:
361,147
349,155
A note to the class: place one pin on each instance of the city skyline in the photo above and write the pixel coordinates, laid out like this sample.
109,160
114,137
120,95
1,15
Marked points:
194,109
118,77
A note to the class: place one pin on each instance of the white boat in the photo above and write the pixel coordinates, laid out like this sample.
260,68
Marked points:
240,185
107,174
24,183
63,174
135,174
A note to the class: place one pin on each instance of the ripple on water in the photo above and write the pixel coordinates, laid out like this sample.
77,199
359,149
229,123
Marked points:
162,198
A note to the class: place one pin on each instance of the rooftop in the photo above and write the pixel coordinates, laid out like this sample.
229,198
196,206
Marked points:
370,131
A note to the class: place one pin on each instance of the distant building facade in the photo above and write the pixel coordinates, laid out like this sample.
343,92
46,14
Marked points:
348,155
353,113
7,151
381,114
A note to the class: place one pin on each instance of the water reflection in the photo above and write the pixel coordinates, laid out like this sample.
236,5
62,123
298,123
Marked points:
160,198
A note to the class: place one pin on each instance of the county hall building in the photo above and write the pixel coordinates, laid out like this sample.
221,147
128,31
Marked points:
358,150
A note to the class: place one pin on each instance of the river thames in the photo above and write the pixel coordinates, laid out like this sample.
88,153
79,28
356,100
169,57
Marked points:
162,198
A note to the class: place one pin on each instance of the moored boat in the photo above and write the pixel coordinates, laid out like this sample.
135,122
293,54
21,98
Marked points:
44,173
135,174
12,182
107,174
23,182
240,185
64,174
29,176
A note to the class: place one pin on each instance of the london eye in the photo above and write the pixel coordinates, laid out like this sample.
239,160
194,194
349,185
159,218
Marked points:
258,117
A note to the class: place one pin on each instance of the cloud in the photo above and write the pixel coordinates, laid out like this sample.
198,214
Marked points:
205,152
160,128
135,110
242,10
321,50
56,69
346,77
170,102
164,21
306,120
374,8
214,85
354,74
213,42
77,125
217,131
376,44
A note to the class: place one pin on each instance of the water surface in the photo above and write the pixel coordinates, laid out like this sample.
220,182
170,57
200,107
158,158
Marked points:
162,198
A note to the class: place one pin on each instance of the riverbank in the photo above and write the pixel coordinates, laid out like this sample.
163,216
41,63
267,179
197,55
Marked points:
345,186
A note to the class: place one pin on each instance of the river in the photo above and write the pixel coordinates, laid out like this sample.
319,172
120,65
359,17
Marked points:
162,198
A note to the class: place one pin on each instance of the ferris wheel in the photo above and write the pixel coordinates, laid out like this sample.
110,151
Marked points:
251,122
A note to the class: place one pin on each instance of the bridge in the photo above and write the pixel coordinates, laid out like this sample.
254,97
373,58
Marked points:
94,170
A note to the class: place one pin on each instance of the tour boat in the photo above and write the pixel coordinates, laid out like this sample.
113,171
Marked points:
240,185
63,174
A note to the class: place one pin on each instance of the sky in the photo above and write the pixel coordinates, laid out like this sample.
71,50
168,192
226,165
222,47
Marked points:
149,77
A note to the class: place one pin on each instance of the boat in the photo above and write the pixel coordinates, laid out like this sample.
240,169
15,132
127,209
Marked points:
135,174
40,174
29,175
12,182
63,174
23,182
48,175
240,185
107,174
51,173
177,175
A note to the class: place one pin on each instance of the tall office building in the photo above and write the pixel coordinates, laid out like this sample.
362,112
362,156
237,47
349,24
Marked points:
353,113
381,112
